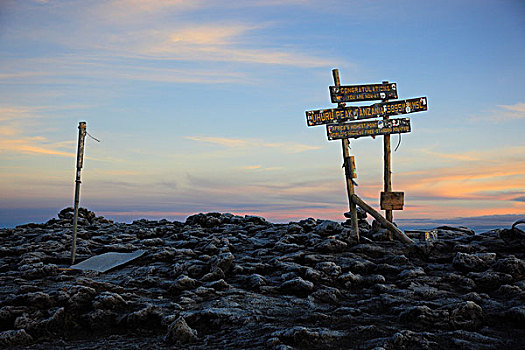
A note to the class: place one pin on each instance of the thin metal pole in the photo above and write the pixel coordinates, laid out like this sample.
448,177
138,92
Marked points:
80,160
348,167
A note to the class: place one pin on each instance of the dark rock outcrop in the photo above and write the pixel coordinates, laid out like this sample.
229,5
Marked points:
227,281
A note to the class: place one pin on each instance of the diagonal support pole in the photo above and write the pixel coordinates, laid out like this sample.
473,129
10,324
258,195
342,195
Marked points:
397,232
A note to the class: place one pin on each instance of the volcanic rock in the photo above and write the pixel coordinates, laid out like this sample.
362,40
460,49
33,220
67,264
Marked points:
224,281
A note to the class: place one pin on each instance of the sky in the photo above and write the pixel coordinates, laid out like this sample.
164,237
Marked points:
200,107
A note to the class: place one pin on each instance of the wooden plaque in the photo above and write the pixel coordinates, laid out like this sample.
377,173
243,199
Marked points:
383,109
372,128
392,200
353,93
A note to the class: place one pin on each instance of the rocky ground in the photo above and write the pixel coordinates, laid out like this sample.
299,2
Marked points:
223,281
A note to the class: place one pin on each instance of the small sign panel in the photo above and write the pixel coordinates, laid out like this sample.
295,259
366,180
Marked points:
370,128
354,93
337,115
412,105
392,200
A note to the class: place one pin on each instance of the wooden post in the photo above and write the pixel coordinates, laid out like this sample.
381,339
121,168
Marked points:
80,160
348,167
387,171
397,232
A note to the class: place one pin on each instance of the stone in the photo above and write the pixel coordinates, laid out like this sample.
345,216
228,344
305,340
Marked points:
81,297
218,285
223,261
327,295
180,333
257,220
328,228
109,301
331,246
225,281
407,339
256,281
490,280
421,317
204,220
17,337
468,316
39,300
513,237
297,286
149,317
38,270
361,213
83,213
512,266
99,320
183,283
473,262
510,292
515,316
412,273
329,268
304,337
460,282
294,228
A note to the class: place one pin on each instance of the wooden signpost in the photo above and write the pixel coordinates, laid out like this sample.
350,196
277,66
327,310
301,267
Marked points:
339,115
80,160
349,166
342,123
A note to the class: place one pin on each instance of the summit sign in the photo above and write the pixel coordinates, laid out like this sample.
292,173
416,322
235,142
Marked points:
371,128
385,109
368,92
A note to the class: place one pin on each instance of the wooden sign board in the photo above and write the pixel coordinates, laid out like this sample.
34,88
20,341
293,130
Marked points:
392,200
371,128
337,115
354,93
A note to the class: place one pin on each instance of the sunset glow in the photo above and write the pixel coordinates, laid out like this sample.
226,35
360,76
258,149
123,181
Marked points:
200,106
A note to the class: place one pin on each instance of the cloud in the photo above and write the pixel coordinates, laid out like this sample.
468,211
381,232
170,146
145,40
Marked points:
463,182
252,143
23,75
454,156
221,141
260,168
79,69
251,167
478,182
32,145
209,34
215,43
208,42
506,112
127,10
17,121
518,107
120,30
